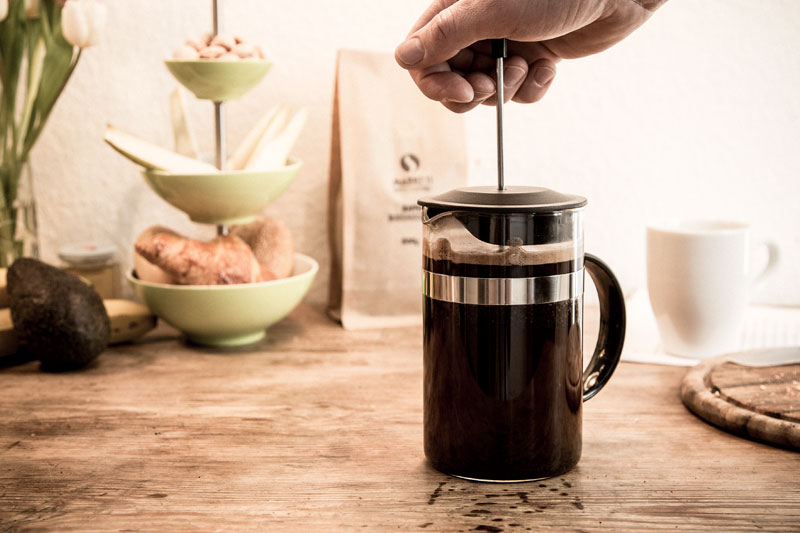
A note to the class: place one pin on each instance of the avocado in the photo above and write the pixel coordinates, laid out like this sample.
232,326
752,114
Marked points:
59,319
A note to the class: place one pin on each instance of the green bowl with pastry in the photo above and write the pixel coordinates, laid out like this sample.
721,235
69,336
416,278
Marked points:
227,315
223,292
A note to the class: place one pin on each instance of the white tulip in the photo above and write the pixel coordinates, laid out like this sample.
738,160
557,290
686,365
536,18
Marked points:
32,8
82,22
3,10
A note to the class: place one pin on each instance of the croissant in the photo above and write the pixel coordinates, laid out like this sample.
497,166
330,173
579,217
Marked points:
222,261
272,245
145,270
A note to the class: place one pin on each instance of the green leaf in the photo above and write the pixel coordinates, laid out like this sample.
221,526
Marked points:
4,177
59,62
35,70
50,60
13,45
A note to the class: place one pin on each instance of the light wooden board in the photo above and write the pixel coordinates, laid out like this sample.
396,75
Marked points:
318,429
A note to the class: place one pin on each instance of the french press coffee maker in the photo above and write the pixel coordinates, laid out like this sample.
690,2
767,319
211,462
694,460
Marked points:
503,282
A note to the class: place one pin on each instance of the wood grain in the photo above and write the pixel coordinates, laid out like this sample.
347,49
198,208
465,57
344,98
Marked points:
319,429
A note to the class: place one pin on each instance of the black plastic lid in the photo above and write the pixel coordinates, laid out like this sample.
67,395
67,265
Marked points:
512,199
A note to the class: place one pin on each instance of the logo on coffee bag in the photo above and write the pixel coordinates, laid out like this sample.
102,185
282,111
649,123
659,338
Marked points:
409,162
410,180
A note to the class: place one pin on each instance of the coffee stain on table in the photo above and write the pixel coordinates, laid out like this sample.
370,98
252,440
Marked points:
436,493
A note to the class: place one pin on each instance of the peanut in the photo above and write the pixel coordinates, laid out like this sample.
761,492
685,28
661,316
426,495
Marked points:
185,52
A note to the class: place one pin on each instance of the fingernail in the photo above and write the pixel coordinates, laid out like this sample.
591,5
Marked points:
543,75
512,76
411,51
459,99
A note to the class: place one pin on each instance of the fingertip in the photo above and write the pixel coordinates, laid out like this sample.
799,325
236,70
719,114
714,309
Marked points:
459,97
409,52
459,108
514,74
483,85
446,86
541,74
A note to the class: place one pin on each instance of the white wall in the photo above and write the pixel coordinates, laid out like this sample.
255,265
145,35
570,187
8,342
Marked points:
696,114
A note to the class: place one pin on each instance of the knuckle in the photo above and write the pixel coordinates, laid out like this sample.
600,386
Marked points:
444,25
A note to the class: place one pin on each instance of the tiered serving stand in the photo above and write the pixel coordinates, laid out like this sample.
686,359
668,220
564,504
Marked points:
224,315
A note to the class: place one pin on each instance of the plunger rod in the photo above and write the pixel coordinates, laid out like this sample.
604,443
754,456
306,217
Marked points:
499,53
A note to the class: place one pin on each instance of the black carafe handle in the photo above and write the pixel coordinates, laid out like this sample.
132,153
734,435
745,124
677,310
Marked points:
612,327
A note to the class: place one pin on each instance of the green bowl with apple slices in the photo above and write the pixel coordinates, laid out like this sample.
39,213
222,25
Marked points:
225,197
218,80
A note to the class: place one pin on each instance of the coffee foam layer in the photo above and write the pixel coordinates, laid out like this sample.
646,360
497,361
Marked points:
442,250
461,246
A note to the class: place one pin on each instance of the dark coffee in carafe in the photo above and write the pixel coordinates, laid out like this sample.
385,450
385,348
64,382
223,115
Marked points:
502,308
503,389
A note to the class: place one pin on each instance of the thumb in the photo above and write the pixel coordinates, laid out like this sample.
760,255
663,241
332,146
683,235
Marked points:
448,32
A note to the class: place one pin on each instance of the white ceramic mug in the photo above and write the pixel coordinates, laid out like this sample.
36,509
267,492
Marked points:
699,276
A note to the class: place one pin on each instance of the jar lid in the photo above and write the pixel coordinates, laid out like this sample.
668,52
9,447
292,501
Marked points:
87,253
512,199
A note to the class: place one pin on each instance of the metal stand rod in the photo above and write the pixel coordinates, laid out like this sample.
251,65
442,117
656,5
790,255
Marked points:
499,52
219,135
220,151
219,145
216,18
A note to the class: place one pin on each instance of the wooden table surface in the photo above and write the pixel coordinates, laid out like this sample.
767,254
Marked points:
318,429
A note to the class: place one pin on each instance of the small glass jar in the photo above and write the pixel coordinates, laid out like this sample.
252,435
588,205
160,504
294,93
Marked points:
96,263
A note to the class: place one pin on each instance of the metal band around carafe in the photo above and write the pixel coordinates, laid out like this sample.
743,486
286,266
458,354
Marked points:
502,291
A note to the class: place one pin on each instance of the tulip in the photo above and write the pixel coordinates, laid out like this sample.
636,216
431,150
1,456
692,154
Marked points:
32,9
3,10
82,22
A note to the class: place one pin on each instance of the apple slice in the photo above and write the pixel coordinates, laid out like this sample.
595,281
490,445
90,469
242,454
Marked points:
273,120
185,143
152,156
272,153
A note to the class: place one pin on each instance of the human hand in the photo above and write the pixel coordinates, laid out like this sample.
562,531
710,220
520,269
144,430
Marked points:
448,52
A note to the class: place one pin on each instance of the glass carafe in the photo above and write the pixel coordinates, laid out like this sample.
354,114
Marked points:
503,281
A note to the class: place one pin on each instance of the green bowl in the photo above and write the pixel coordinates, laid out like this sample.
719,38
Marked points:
227,315
222,198
211,79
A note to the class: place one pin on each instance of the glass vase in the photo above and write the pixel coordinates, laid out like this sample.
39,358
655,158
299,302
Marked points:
19,231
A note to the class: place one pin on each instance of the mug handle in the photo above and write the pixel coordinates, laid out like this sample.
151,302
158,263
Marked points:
773,256
612,327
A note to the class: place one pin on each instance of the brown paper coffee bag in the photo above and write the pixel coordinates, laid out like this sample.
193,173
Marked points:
390,146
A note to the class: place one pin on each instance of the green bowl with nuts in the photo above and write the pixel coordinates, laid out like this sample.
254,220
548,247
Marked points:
216,79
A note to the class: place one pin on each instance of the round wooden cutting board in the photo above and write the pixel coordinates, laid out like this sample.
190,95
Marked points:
756,402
